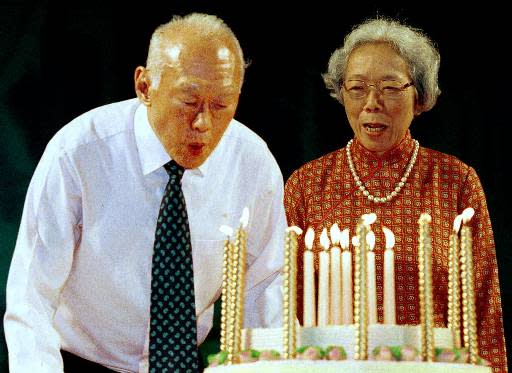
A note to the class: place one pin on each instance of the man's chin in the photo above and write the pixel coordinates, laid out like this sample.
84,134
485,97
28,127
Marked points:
191,161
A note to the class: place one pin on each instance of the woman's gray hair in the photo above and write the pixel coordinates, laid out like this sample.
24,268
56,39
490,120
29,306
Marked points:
206,25
418,51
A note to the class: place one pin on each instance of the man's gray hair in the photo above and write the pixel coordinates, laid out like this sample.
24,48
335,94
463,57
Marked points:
206,25
418,51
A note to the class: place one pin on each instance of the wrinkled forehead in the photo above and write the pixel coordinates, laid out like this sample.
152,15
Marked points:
191,48
376,61
179,53
209,60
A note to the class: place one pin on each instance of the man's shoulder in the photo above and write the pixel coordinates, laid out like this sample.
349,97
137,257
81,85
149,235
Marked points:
95,125
243,148
247,138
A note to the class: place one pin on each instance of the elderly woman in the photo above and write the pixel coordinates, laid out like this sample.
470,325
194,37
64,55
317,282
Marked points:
386,74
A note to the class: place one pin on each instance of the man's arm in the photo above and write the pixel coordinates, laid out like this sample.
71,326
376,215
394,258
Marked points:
48,234
263,302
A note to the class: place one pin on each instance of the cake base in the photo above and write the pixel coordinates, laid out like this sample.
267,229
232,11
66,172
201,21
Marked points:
347,366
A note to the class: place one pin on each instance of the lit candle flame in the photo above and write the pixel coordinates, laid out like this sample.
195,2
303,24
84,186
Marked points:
226,229
467,214
390,237
335,234
309,238
456,223
370,240
295,229
244,220
425,218
369,219
324,239
355,241
344,238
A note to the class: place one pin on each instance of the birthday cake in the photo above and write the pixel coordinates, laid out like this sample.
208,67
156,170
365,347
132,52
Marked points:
359,344
303,366
383,359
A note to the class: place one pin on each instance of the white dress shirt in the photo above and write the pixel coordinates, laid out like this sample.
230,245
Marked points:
80,274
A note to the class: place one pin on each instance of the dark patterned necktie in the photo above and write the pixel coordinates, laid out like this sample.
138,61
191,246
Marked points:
173,330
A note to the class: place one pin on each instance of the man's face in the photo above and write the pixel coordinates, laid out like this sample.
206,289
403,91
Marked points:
196,98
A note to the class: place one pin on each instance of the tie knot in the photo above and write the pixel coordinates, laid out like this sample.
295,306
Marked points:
174,169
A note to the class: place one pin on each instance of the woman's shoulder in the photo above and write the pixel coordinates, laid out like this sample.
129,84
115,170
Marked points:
322,163
319,166
444,161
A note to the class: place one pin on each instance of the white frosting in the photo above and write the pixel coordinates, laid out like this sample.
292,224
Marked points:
343,335
347,366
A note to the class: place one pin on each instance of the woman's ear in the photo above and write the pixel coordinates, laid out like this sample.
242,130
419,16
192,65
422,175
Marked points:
142,85
418,106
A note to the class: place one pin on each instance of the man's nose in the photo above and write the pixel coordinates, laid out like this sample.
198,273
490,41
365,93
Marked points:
203,119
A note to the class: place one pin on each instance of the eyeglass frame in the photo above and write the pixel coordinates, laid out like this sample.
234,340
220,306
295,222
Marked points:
377,88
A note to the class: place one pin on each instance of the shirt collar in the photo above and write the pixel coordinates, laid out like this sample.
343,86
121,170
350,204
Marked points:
400,153
152,153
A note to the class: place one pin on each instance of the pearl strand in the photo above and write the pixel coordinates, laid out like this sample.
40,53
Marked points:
398,187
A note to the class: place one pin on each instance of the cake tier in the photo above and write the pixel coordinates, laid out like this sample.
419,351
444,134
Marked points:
303,366
343,335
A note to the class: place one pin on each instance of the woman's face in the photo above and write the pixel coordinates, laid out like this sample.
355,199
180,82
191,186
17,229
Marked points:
379,122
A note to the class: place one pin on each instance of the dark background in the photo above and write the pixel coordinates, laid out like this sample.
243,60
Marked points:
58,60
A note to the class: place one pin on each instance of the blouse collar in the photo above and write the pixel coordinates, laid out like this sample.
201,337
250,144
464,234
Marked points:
399,153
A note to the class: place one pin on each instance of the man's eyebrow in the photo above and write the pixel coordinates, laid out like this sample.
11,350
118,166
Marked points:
186,86
193,88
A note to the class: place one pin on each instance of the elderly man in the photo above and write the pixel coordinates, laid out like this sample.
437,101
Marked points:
118,258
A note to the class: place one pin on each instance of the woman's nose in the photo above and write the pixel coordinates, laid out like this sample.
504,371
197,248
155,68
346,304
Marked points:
373,100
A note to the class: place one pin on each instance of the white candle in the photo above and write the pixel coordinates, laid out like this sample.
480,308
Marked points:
468,290
454,310
335,299
323,282
346,283
241,250
389,278
372,281
309,301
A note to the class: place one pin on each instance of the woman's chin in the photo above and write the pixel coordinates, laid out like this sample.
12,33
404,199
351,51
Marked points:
377,144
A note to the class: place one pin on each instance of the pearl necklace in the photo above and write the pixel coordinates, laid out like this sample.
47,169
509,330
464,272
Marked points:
398,187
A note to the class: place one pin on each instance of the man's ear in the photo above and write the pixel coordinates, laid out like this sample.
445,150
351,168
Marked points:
142,85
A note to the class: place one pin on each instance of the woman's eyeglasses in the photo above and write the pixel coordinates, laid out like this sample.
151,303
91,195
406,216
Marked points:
358,89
